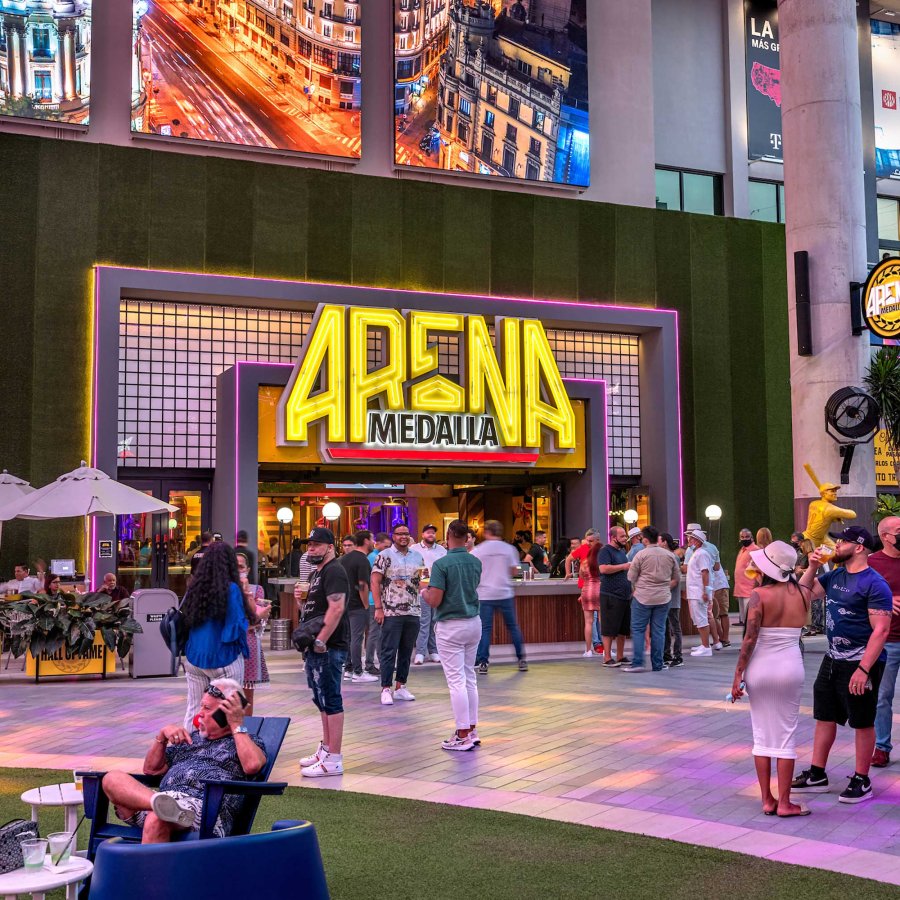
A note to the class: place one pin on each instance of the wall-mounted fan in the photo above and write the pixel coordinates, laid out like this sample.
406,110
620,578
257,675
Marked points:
851,417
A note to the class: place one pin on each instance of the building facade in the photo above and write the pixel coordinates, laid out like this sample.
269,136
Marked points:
45,50
420,37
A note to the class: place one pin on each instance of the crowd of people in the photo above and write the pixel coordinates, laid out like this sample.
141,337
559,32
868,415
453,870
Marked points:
363,615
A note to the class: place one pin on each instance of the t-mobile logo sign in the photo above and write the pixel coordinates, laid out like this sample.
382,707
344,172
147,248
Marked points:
889,99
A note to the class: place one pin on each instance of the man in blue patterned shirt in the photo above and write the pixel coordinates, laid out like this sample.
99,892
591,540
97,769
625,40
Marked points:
212,752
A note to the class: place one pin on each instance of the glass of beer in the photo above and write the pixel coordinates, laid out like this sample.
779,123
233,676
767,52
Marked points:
825,552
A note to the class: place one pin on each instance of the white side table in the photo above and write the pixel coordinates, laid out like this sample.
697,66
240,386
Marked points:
19,882
64,795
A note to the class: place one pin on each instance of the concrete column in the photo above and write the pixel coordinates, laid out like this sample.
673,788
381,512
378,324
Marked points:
69,82
825,215
61,50
736,180
623,152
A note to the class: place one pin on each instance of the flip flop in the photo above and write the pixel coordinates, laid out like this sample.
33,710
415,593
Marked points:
770,812
804,811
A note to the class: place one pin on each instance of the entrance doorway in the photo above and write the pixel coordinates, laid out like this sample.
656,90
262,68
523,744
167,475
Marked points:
156,550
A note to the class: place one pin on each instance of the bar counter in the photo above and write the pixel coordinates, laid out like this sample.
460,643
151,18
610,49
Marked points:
548,610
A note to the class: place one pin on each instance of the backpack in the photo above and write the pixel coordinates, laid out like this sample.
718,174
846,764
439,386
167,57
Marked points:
174,632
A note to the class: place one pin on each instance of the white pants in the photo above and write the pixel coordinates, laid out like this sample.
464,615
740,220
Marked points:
457,642
198,681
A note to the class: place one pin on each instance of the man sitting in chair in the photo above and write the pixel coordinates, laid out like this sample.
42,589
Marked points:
213,752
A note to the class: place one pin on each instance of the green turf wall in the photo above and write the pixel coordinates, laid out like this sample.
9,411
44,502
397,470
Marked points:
65,206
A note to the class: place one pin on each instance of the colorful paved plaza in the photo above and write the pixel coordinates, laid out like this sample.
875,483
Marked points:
661,754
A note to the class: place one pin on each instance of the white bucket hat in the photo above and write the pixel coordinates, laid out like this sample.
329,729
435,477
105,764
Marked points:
634,532
777,560
696,533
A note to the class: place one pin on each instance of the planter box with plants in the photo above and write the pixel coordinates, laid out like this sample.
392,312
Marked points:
68,634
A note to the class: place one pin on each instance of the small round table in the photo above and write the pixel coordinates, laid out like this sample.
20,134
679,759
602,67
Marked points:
18,882
65,795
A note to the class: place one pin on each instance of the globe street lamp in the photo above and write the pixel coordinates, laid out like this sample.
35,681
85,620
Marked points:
285,516
630,516
331,511
714,515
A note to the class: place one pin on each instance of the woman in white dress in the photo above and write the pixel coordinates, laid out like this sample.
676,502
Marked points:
770,667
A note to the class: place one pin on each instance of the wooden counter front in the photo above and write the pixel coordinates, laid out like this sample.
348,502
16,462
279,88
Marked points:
548,612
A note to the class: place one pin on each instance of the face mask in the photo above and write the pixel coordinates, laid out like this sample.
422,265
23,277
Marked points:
795,545
315,560
746,542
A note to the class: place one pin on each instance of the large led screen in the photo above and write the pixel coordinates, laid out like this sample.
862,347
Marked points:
886,82
280,74
493,88
45,60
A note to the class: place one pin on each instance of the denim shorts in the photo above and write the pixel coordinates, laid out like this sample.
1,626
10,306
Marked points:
323,675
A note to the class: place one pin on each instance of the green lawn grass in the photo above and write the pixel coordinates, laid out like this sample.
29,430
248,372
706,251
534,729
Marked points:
380,847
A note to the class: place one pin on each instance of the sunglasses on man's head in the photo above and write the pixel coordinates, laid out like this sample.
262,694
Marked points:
213,691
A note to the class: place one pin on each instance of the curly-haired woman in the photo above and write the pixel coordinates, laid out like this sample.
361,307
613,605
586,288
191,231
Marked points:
215,615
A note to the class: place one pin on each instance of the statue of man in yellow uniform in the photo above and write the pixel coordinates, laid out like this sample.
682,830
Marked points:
823,512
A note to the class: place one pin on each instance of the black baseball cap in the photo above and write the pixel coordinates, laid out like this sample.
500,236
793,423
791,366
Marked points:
856,534
321,536
429,528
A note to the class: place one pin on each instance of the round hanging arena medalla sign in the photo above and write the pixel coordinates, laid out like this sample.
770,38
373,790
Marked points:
881,299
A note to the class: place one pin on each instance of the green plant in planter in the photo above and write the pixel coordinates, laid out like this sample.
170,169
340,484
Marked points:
43,624
888,505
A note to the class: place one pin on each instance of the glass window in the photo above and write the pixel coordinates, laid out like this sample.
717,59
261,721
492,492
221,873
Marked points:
668,189
699,192
763,197
888,219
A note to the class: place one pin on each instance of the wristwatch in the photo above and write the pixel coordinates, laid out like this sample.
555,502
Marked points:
241,729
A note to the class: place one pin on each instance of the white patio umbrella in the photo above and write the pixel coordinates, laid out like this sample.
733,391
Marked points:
83,492
11,488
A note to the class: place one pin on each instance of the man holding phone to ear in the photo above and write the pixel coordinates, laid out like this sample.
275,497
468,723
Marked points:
220,749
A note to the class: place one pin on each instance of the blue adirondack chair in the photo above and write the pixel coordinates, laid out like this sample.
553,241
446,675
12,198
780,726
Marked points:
277,865
270,730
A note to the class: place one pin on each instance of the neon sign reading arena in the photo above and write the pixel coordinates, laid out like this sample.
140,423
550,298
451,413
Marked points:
405,410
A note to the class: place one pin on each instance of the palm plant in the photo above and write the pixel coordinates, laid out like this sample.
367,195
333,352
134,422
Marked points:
882,381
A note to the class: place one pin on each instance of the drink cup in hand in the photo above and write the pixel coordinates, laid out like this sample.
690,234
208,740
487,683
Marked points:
824,553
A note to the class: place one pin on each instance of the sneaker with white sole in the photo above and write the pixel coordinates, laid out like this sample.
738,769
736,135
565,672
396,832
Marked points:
717,645
330,764
859,789
348,674
807,783
473,737
702,651
587,654
633,668
170,809
320,753
403,694
419,660
459,743
387,697
364,678
482,668
434,657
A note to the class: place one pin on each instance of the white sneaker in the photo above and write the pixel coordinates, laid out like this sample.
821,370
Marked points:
434,657
717,645
702,651
419,660
473,737
364,678
331,764
387,698
320,753
169,809
587,654
403,694
348,674
458,743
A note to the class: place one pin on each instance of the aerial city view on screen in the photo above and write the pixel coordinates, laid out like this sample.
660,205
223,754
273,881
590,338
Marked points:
45,60
281,74
493,88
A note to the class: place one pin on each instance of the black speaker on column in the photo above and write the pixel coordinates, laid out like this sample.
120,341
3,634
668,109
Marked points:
802,307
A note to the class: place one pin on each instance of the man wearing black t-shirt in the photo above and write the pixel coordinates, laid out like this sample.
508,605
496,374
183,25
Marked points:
537,555
327,599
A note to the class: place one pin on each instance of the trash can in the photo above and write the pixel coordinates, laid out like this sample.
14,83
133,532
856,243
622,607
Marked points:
280,637
149,654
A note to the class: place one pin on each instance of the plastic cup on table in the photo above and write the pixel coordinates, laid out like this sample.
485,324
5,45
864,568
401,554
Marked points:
61,843
33,852
77,780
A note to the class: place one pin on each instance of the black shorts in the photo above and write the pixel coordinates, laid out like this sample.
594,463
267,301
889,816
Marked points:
832,700
615,616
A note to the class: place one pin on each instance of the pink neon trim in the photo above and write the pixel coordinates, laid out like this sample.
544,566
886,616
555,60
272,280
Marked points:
588,304
431,455
90,565
678,411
